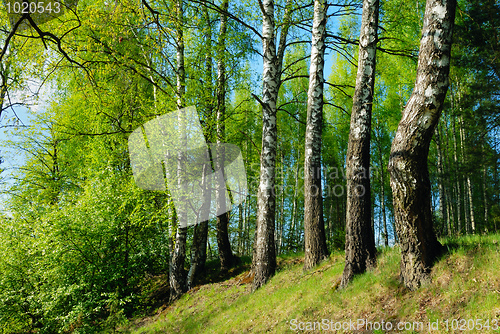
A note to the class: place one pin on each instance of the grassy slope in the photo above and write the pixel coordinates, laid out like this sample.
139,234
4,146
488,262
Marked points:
465,285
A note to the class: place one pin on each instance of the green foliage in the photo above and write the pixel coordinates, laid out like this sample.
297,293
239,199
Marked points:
78,264
83,249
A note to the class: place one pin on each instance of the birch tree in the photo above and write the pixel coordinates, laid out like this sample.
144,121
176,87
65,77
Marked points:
360,241
225,253
264,257
177,274
314,226
408,160
200,233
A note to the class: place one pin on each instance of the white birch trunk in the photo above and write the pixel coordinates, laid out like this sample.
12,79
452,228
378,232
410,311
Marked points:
177,274
264,260
360,240
314,226
410,147
225,253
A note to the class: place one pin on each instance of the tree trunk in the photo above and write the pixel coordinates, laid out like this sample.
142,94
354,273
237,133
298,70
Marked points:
410,148
240,229
442,197
179,46
495,178
462,163
360,241
4,77
471,206
246,241
450,212
200,235
225,254
458,193
177,272
330,222
372,216
314,226
199,248
281,226
264,260
467,184
382,199
199,253
291,235
485,198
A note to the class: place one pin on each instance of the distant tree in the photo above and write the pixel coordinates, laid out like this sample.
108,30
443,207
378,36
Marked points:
475,84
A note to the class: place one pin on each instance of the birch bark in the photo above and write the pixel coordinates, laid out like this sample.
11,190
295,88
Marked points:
314,225
264,259
177,273
360,240
225,253
410,148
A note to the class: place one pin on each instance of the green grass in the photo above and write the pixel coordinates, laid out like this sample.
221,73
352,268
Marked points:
465,285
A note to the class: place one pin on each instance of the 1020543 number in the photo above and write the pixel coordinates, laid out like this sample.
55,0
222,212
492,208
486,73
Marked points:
472,324
33,7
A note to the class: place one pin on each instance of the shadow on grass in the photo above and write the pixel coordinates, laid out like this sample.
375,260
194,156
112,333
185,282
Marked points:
213,274
470,242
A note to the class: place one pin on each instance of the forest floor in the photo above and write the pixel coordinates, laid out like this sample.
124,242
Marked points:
464,296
